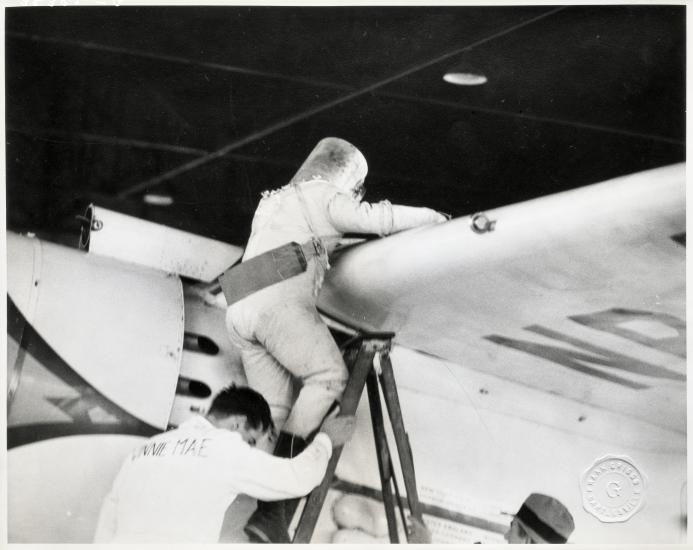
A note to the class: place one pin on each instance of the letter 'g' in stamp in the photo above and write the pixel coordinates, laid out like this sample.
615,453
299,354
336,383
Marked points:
613,489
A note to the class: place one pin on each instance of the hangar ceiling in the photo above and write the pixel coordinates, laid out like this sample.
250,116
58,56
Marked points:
211,105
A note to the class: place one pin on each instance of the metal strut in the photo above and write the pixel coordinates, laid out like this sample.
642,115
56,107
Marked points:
367,357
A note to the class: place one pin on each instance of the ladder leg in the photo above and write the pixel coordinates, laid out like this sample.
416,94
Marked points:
350,399
401,438
383,454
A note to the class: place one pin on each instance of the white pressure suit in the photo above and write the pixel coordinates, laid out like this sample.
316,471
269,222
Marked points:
278,329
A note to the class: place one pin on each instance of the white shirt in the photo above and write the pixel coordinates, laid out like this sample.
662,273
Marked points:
177,486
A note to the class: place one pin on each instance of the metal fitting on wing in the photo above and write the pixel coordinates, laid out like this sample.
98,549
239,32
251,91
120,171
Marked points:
481,223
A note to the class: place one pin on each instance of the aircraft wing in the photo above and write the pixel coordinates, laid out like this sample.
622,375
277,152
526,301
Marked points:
579,294
532,342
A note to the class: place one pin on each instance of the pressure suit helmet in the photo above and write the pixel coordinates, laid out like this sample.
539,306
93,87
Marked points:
336,161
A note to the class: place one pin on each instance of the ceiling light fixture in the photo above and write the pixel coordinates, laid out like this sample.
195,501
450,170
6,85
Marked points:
157,200
465,74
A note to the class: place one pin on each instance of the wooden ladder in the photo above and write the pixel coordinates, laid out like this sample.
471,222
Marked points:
367,357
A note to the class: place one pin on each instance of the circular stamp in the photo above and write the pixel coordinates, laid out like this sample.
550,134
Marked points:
613,489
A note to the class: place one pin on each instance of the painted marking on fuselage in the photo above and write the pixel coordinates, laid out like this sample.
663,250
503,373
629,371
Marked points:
613,321
587,353
90,413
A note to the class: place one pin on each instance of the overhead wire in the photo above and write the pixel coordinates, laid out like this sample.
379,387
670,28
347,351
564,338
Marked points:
545,119
281,124
88,137
98,46
53,134
333,85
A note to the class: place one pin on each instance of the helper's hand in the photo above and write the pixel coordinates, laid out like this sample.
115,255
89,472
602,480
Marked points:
339,429
418,532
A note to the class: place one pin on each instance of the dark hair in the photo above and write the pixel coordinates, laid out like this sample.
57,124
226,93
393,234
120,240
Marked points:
245,401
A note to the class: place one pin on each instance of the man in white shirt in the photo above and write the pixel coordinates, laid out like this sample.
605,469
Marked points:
177,486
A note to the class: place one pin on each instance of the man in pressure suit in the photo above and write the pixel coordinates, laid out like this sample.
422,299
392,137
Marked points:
278,330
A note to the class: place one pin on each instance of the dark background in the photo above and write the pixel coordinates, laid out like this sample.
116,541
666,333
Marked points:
102,102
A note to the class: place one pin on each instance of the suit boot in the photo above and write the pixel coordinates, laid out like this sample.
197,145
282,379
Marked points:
270,521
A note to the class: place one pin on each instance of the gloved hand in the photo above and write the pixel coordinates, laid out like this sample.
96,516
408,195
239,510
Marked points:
339,429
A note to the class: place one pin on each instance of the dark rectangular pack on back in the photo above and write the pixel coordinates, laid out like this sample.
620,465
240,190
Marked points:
264,270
